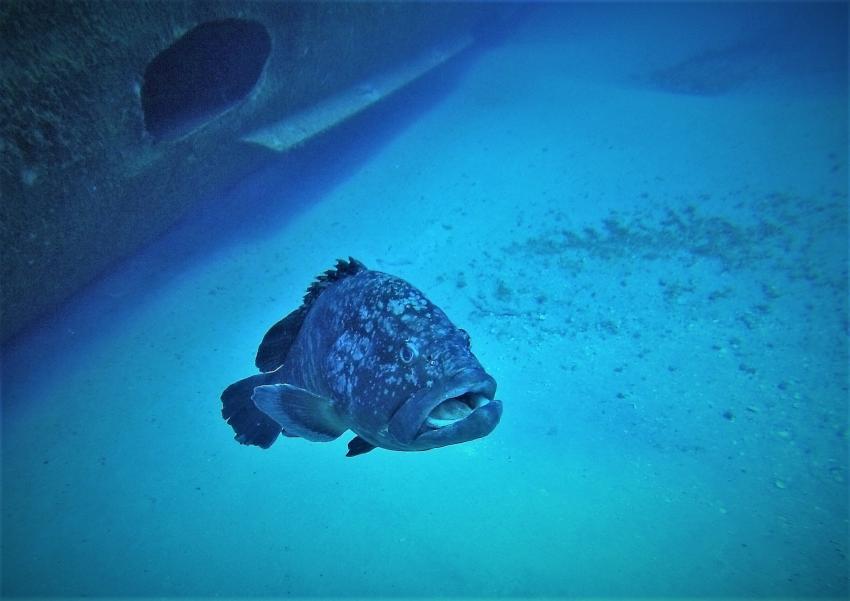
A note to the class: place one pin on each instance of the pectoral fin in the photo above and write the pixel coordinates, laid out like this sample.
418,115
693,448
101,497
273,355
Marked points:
300,412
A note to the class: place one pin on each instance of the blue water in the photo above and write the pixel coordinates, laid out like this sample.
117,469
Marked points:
638,213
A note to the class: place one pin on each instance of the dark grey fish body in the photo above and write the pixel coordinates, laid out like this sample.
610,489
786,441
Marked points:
370,353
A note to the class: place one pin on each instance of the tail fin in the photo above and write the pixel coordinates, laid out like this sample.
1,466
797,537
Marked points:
251,425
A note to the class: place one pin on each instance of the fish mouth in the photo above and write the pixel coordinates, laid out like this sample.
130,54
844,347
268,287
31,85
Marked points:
459,413
458,404
462,407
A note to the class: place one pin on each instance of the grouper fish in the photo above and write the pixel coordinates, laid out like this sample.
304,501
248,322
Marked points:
365,352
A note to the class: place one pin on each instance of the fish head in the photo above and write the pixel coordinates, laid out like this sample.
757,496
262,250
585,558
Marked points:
413,382
454,399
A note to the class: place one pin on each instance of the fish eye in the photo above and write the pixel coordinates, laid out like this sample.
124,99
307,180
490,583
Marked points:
407,352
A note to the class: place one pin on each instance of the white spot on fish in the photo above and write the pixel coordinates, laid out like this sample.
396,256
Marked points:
396,306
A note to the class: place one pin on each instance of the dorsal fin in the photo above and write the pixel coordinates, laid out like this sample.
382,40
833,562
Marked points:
278,340
342,270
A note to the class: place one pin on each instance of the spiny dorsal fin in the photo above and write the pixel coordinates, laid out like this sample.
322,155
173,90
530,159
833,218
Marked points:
278,340
342,270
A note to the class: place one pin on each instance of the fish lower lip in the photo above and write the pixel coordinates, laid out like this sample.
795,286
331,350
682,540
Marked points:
478,423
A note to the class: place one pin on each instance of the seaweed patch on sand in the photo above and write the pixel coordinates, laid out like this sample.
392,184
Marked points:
560,270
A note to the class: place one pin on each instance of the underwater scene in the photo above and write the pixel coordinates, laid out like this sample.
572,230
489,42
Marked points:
555,306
